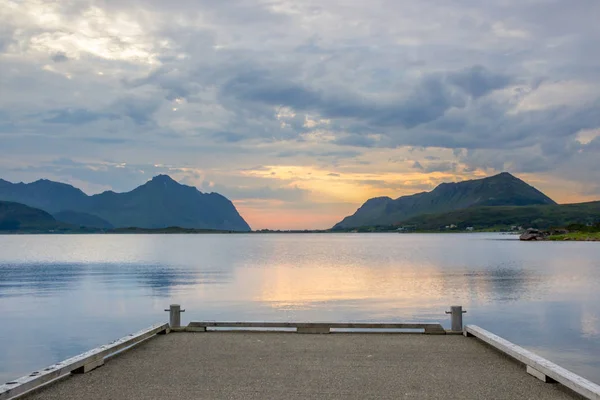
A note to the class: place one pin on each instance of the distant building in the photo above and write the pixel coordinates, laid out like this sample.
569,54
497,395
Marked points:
470,228
451,226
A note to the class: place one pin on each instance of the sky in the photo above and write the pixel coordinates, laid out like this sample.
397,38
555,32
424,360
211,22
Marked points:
299,111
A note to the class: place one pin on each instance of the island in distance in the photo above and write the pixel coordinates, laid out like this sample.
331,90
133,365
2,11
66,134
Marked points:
159,203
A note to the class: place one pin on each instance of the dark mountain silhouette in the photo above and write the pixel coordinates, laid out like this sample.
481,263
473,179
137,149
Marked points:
499,190
82,219
44,194
159,203
17,217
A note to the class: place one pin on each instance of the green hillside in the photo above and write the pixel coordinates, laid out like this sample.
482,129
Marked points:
540,216
499,190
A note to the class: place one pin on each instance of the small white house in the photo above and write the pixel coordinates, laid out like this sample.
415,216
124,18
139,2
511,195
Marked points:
470,229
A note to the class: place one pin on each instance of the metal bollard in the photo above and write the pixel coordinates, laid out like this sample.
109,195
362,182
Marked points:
175,315
457,319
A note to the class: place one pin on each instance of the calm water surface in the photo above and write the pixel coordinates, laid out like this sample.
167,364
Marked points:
62,295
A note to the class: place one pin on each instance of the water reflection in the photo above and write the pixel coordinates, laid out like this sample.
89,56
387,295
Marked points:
37,279
60,295
50,279
503,283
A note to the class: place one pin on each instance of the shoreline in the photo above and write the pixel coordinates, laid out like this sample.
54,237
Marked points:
207,232
572,236
575,237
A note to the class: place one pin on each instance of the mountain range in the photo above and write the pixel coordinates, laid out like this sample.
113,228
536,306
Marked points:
159,203
503,189
163,205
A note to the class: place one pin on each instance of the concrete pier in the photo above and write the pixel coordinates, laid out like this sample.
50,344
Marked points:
267,365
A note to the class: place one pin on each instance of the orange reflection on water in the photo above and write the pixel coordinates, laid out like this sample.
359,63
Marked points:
285,285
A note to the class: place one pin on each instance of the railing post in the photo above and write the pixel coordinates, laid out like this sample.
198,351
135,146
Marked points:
457,318
175,315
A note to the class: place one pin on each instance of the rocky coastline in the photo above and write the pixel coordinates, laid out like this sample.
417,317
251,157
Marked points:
532,234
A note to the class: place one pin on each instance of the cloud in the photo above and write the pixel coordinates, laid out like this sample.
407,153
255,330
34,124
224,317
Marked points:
261,86
444,166
336,154
478,81
105,140
118,176
230,137
592,190
75,116
287,194
139,109
356,140
426,102
417,165
217,87
59,57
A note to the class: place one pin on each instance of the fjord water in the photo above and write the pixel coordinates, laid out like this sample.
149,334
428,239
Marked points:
63,294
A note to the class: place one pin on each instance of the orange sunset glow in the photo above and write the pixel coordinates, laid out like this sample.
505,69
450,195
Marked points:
300,119
330,197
